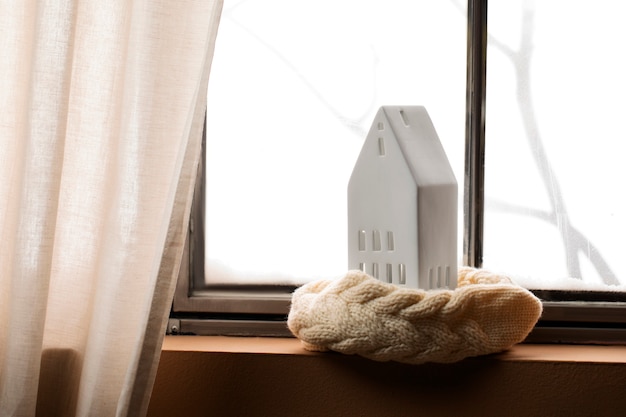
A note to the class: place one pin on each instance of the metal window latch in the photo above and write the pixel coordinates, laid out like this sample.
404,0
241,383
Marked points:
173,327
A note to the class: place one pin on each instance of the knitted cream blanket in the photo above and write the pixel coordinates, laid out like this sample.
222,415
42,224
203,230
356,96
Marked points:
358,314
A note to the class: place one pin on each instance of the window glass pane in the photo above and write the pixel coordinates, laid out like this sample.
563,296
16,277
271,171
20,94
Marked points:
555,134
293,90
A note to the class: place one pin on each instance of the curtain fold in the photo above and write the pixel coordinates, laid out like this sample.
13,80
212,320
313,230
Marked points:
102,107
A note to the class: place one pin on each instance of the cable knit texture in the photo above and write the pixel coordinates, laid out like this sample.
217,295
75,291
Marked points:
358,314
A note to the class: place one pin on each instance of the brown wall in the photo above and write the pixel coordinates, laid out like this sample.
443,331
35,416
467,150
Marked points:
211,383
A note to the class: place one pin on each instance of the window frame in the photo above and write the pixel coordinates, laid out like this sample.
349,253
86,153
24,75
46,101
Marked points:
224,309
261,310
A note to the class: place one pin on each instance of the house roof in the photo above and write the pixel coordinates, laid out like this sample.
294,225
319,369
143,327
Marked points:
418,140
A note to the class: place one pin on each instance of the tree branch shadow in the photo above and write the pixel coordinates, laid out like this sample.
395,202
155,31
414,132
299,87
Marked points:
574,241
579,243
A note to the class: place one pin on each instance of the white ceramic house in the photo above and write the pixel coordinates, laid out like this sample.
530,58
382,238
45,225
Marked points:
402,203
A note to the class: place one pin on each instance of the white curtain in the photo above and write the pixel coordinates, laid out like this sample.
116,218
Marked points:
101,112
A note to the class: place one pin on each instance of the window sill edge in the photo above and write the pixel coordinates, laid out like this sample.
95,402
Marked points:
291,346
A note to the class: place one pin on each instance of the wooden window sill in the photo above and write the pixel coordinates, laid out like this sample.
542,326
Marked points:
239,376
